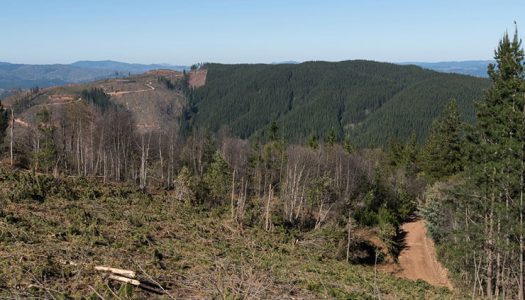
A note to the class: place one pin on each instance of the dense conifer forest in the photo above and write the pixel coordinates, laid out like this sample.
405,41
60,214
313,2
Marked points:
369,101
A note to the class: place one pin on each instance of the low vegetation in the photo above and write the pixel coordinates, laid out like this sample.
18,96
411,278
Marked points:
54,231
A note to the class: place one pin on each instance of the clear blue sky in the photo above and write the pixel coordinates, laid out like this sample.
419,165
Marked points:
234,31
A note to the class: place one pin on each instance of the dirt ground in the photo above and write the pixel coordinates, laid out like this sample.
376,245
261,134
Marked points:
418,260
198,78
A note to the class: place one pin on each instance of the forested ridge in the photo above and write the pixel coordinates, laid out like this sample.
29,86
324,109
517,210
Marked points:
369,101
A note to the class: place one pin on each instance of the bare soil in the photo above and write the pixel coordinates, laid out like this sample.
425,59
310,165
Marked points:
198,78
418,259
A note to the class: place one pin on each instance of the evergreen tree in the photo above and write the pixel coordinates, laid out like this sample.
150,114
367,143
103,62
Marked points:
312,142
45,152
498,166
395,153
411,153
488,209
442,154
347,145
217,178
331,137
273,132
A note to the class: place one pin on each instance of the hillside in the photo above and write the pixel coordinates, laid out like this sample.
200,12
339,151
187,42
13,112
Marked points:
476,68
58,230
27,76
153,102
368,100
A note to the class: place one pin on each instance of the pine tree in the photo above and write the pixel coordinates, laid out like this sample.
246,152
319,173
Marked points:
45,151
273,132
492,199
347,145
410,154
217,178
331,137
312,142
442,154
395,153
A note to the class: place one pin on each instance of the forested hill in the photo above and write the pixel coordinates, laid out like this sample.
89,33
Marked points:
368,100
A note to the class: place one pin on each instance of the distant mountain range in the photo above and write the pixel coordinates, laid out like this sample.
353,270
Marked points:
476,68
26,76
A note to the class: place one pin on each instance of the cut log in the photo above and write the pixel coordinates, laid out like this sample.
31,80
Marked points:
125,280
126,273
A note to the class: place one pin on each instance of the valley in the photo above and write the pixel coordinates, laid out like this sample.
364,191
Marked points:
246,150
312,180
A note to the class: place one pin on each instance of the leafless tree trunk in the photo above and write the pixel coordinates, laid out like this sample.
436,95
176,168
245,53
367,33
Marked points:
267,214
233,195
144,161
11,137
161,160
348,235
520,253
242,201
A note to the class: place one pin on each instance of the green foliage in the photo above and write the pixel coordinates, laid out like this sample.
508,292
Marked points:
217,178
273,132
371,101
331,137
45,151
395,153
97,97
169,241
312,142
126,291
348,145
493,185
404,156
186,186
166,82
380,205
444,150
321,190
433,212
414,108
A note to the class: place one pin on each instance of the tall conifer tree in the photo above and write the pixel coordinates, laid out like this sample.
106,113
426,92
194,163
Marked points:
442,154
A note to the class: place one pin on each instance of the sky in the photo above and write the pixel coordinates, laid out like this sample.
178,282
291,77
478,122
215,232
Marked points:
253,31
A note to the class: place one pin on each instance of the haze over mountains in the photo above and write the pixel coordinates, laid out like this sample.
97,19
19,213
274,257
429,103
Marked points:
477,68
27,76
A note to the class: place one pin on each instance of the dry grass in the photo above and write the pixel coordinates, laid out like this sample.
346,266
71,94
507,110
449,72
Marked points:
49,249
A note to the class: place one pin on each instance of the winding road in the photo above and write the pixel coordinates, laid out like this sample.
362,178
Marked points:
418,260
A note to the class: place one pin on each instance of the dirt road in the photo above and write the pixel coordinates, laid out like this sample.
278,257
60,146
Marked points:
148,84
418,260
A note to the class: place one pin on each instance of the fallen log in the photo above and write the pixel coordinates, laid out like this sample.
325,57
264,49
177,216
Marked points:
126,273
130,277
144,285
125,280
